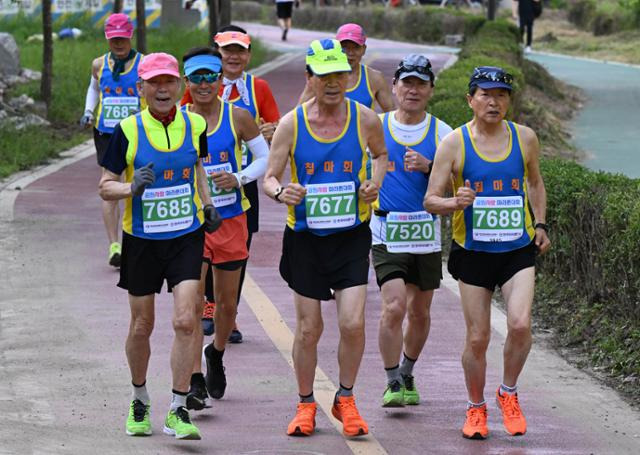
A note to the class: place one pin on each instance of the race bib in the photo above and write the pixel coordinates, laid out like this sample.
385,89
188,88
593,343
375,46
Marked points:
219,196
411,232
331,205
115,109
167,209
498,219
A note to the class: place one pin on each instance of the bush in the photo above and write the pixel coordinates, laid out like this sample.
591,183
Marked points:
605,17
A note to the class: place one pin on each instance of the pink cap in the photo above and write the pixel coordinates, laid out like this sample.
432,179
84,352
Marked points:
158,64
351,32
118,26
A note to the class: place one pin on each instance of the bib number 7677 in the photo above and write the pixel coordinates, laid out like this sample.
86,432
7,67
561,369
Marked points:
331,205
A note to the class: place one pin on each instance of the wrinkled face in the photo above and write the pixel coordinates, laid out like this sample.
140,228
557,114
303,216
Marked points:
120,47
490,105
235,60
203,92
160,92
413,94
330,88
354,51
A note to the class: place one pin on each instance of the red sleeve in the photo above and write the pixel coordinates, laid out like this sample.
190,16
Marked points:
186,98
266,102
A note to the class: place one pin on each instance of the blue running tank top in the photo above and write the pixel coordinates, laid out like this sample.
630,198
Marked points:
117,98
361,92
252,107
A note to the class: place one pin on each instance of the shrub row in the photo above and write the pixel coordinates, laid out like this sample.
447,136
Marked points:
604,17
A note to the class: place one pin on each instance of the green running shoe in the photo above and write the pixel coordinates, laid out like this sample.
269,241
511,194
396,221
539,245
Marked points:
393,395
115,254
179,424
138,423
411,395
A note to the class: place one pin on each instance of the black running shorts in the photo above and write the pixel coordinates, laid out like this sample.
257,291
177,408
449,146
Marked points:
489,270
422,270
101,141
313,265
284,9
147,263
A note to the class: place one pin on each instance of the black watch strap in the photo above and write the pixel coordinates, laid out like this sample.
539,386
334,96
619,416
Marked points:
542,226
277,194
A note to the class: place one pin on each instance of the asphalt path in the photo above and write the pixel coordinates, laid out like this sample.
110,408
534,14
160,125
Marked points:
64,381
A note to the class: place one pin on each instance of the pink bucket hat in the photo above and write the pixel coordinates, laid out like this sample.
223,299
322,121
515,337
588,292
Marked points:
351,32
157,64
118,26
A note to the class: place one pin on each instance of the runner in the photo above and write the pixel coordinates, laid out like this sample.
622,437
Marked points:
159,152
244,90
327,239
113,90
406,239
226,249
367,85
498,187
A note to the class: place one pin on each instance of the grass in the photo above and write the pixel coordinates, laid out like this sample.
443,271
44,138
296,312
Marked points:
72,68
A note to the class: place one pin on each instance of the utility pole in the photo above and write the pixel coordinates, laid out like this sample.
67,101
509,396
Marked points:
225,12
47,54
491,10
117,6
141,28
213,19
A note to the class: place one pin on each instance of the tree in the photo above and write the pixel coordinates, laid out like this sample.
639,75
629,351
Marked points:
47,54
141,28
117,6
491,10
213,19
225,12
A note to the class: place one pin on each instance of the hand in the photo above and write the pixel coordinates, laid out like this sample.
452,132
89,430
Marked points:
414,161
212,220
87,119
368,191
542,241
224,180
464,196
293,194
267,129
142,177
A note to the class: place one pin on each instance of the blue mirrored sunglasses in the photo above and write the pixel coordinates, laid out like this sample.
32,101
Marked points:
209,78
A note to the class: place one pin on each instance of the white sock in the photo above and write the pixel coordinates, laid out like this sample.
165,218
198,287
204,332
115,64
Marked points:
510,390
140,393
178,399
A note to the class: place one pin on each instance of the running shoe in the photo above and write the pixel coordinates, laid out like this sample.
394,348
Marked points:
475,425
115,254
344,409
197,396
514,421
304,422
411,395
215,378
179,424
236,336
208,325
393,395
138,422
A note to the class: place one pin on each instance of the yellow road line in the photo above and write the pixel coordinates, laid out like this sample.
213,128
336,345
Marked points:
282,337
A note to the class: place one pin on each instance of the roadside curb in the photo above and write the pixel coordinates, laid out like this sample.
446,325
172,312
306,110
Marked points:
585,59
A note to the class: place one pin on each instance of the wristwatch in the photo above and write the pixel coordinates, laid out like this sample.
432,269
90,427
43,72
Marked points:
241,178
542,226
277,194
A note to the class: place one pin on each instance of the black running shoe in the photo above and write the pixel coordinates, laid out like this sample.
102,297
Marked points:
197,396
215,379
236,336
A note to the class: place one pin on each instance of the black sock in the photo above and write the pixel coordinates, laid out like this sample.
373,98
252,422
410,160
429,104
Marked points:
307,398
197,378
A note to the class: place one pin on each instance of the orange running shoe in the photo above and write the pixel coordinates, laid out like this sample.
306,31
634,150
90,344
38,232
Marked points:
344,409
514,421
209,310
304,421
475,425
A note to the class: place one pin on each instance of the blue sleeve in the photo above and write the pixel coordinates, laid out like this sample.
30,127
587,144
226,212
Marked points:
115,157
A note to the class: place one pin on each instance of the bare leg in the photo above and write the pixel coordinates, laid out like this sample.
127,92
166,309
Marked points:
309,327
350,303
137,347
226,283
111,216
198,334
394,307
185,296
418,320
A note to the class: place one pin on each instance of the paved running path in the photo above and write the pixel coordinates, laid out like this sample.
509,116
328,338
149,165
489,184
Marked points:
64,379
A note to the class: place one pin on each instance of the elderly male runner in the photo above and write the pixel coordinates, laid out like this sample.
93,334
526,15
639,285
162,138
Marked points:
242,89
406,238
327,239
499,211
225,249
113,90
366,85
159,151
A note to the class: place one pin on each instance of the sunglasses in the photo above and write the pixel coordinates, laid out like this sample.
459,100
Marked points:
420,69
209,78
493,76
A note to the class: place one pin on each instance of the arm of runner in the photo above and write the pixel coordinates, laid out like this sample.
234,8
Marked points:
415,161
535,185
371,125
382,91
93,95
306,94
293,193
444,166
114,162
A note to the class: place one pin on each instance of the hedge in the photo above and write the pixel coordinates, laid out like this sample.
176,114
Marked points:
604,17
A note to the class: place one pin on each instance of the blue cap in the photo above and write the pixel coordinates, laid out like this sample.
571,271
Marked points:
488,77
202,62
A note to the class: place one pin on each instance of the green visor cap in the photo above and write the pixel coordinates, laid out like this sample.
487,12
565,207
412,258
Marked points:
326,56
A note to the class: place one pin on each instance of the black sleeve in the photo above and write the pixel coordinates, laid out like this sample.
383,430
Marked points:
115,157
204,148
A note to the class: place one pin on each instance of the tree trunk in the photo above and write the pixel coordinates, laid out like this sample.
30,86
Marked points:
141,28
213,19
47,54
492,9
117,6
225,12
